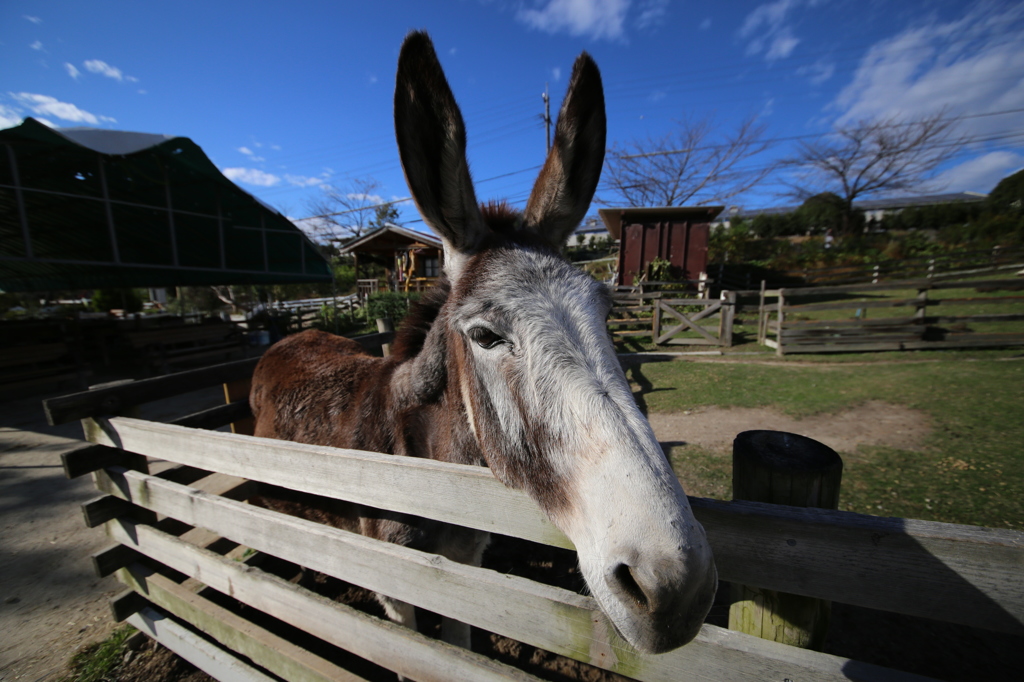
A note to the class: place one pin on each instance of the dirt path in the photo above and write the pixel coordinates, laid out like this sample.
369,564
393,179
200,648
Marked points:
873,423
51,604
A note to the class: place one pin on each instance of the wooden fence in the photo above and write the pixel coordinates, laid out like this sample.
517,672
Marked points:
192,552
956,265
672,320
875,320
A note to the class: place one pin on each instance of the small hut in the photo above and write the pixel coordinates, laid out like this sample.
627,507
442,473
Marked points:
412,261
676,234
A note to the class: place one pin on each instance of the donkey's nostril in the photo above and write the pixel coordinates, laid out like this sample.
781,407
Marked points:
627,583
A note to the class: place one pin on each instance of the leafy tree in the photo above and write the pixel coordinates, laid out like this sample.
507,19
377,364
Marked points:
1008,195
105,300
822,212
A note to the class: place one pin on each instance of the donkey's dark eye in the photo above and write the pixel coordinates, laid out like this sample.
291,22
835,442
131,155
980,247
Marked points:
484,337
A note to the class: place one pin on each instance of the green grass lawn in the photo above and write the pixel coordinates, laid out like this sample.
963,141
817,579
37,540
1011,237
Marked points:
970,470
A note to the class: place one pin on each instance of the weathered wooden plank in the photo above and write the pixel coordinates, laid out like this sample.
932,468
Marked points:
850,339
367,478
88,457
208,657
960,574
946,319
1010,284
125,604
392,646
845,348
969,341
215,417
551,618
108,561
470,496
373,342
846,305
274,653
866,287
840,324
686,321
114,399
101,509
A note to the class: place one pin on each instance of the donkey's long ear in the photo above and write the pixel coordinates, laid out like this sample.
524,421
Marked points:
567,182
432,145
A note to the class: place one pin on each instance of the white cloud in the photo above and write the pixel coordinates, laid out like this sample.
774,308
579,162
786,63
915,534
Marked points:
251,176
104,69
251,154
656,96
980,174
556,74
9,117
818,72
305,181
652,13
362,196
594,18
706,24
51,106
34,20
38,45
969,66
72,71
769,31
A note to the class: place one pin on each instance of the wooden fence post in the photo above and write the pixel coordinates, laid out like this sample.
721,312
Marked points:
727,318
385,325
655,320
783,468
239,390
762,323
781,302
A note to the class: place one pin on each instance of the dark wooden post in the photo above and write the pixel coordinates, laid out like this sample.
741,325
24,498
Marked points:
239,390
385,325
783,468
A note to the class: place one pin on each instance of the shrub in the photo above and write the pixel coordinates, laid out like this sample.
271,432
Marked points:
105,300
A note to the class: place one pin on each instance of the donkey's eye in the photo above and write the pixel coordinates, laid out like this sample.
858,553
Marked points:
484,337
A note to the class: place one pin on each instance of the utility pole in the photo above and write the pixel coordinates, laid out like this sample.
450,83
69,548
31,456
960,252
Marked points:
547,116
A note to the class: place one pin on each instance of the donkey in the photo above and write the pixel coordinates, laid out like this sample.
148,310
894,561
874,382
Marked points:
507,364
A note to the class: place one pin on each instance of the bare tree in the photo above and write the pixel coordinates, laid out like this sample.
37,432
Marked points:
890,155
350,211
693,165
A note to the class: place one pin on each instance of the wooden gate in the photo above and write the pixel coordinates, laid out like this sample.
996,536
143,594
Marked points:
669,322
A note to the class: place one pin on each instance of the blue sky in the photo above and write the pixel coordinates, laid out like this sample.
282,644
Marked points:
288,97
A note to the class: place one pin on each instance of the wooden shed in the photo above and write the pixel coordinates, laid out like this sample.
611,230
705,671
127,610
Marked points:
412,260
674,233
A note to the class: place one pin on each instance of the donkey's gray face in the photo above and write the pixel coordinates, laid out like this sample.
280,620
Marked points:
540,383
552,411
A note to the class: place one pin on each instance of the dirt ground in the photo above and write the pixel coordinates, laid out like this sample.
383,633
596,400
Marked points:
51,604
873,423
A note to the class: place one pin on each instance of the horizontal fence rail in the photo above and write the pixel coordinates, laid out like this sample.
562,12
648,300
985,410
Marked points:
977,568
919,328
547,617
179,583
